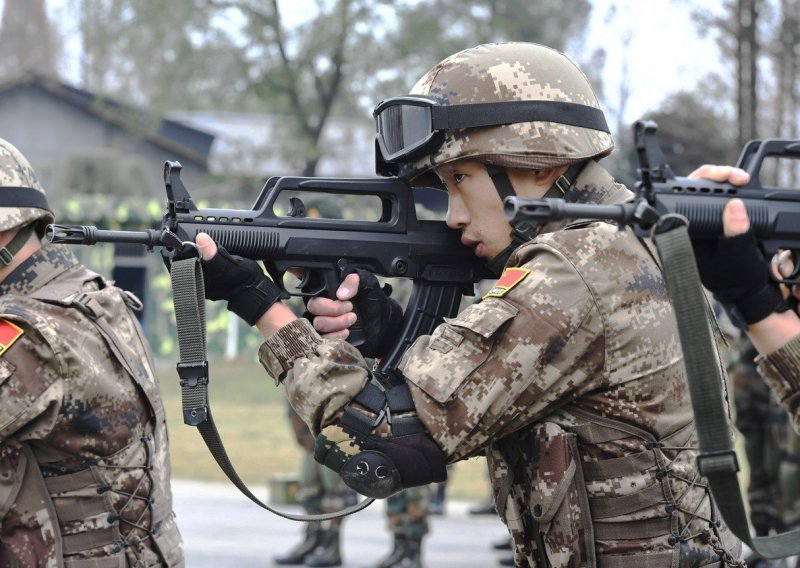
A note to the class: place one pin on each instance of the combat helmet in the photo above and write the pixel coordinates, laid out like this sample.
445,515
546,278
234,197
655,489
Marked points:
22,199
511,104
516,104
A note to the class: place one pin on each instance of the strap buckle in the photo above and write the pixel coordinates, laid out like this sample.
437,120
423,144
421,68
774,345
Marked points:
5,256
192,374
723,461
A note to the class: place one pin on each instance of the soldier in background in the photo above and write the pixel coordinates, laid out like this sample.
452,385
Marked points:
319,490
84,460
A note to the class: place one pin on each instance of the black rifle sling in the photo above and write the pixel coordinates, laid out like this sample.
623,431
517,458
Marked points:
188,290
717,458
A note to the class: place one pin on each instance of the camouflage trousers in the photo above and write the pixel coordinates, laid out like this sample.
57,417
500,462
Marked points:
407,513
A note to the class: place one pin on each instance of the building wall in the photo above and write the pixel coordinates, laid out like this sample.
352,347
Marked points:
48,130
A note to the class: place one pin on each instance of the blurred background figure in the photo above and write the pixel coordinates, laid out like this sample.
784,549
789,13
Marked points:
772,449
320,490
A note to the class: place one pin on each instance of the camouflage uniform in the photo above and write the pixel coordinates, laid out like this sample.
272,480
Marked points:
781,371
84,437
573,382
84,469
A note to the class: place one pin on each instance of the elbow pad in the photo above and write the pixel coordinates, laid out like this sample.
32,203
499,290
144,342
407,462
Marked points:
379,465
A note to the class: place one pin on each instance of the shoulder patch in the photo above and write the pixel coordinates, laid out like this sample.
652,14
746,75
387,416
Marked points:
510,278
9,333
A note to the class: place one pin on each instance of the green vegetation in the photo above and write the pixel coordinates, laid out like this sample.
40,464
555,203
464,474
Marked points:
250,413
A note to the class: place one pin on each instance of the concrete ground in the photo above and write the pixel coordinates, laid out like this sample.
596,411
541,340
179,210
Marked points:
223,529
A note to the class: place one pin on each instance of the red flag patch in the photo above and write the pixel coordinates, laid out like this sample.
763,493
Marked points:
510,278
9,333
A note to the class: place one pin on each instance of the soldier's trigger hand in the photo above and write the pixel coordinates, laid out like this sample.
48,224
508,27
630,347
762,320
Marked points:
381,315
240,281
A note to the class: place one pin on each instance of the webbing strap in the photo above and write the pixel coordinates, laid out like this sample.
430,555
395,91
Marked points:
717,458
188,292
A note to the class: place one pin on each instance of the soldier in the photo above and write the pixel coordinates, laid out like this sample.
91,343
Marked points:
83,441
569,373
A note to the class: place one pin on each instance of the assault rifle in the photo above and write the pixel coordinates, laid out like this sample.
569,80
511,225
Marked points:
396,244
774,213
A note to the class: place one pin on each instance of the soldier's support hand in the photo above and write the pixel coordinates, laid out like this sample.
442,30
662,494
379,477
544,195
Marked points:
777,328
238,280
732,267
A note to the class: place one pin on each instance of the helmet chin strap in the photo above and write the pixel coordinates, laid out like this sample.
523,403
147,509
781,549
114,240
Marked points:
7,252
523,231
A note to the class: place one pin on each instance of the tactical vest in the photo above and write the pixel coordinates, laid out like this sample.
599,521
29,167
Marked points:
108,511
647,508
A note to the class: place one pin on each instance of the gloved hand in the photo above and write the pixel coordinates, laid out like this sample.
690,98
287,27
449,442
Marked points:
242,282
381,315
733,269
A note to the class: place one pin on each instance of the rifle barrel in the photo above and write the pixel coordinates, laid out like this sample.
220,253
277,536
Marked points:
89,235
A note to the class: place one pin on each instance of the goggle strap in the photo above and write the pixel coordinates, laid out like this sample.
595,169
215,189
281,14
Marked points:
494,114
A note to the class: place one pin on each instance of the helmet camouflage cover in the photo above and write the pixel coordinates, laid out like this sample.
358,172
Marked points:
515,71
17,173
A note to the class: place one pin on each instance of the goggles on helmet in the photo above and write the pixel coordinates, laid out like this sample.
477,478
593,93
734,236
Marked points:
413,126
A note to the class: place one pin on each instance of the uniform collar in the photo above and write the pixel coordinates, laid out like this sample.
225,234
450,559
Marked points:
593,185
38,269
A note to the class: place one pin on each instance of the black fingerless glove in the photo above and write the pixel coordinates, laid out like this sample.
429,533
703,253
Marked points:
242,282
381,315
736,273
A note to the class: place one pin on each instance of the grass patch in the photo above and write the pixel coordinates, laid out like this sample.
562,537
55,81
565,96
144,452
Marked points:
251,416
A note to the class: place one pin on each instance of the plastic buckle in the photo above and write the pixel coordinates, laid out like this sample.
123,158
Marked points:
5,256
193,374
724,461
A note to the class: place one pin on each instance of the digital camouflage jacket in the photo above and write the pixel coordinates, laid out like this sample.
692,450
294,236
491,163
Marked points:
781,371
84,469
569,374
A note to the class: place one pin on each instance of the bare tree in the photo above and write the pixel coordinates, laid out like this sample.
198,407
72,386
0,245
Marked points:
27,39
747,52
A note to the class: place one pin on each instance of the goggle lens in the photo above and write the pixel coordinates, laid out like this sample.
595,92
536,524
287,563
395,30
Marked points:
403,128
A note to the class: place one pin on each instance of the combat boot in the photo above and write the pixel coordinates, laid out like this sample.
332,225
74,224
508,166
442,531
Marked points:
398,546
412,555
327,552
298,554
